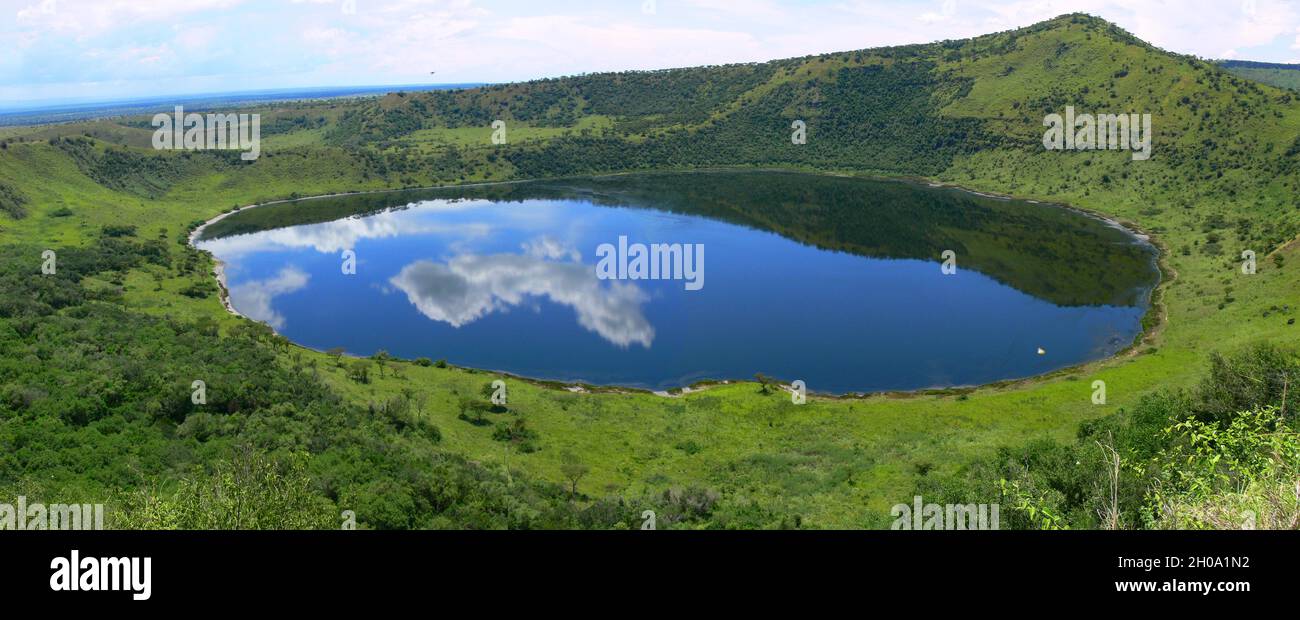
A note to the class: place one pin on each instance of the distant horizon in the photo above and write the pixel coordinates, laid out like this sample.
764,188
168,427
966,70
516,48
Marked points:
40,105
58,50
25,106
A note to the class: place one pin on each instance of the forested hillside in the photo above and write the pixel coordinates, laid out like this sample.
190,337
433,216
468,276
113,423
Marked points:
99,359
913,110
1280,75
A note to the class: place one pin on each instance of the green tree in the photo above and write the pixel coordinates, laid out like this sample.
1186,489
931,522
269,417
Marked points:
381,359
573,470
359,371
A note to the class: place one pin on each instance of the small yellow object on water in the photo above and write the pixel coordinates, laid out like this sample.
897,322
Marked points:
1041,351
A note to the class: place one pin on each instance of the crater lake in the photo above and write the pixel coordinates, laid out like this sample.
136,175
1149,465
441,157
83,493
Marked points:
851,285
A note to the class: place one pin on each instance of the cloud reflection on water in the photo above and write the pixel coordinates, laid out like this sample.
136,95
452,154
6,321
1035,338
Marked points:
253,299
470,286
336,236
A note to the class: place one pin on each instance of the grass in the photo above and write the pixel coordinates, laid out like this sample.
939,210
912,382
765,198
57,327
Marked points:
430,140
835,462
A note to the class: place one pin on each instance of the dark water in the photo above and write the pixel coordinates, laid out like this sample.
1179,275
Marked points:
834,281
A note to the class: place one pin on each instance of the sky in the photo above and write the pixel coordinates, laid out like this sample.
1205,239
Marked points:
115,49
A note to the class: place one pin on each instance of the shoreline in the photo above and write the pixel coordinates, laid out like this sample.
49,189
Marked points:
218,266
1146,335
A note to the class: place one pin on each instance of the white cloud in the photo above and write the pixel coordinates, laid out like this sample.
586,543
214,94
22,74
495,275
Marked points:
214,45
470,286
548,248
84,18
253,299
338,235
946,12
744,9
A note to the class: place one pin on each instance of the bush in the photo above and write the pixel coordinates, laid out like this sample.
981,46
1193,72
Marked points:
1257,377
12,201
514,431
116,230
359,371
1195,458
1241,475
199,290
249,492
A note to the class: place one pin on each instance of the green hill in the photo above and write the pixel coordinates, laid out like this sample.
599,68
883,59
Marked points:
1276,74
389,441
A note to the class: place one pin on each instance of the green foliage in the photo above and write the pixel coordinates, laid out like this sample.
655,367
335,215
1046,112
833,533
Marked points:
288,124
1264,375
574,471
97,359
1242,474
1195,459
248,492
126,170
359,371
472,410
95,403
1035,507
517,432
199,289
1280,75
118,230
765,383
12,201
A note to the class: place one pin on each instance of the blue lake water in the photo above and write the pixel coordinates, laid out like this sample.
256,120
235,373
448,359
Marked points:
837,282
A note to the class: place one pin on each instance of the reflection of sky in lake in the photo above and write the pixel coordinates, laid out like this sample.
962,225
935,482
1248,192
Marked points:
512,286
468,286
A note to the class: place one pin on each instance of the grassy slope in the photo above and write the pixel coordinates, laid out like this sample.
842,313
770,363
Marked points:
1281,76
835,463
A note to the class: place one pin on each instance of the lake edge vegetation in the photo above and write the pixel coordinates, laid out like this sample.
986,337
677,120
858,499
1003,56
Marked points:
93,411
